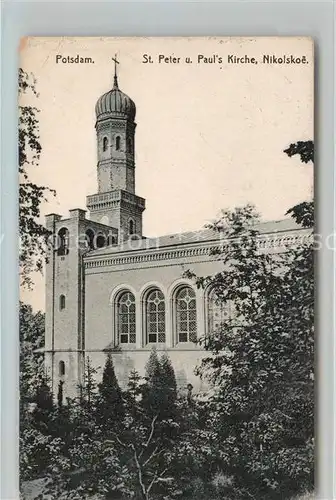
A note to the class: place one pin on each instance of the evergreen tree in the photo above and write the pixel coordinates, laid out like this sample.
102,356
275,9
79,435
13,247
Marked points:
152,365
110,405
88,391
134,388
168,377
60,394
160,391
44,409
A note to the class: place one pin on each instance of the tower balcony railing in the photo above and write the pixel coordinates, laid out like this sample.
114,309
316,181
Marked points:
117,195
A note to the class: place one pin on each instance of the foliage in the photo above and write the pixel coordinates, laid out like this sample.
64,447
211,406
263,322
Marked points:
250,437
303,213
32,382
31,331
110,412
32,233
160,390
305,149
261,359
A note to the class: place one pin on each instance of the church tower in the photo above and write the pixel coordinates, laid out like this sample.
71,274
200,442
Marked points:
116,204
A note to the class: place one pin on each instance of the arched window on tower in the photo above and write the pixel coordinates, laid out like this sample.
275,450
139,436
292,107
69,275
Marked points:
111,239
155,317
117,143
105,144
101,240
126,318
131,228
63,242
62,302
61,368
186,322
89,237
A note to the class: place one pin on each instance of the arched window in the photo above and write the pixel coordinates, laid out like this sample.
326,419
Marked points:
105,144
129,145
117,143
131,226
111,239
63,241
89,236
126,318
61,368
62,302
101,241
186,324
218,311
155,317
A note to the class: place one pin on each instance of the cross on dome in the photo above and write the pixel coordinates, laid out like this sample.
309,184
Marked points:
115,103
115,80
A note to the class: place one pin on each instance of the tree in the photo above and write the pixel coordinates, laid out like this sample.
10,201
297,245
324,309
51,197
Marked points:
168,375
303,213
262,359
110,412
31,360
45,407
159,393
305,149
152,365
33,234
134,386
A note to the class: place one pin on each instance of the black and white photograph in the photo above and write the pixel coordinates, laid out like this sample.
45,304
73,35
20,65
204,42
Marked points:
166,268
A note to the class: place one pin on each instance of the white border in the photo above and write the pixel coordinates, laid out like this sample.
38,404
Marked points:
305,18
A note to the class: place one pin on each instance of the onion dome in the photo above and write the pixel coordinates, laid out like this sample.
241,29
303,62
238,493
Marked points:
115,103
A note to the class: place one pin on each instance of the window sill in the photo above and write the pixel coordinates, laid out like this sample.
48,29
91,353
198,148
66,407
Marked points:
189,346
181,346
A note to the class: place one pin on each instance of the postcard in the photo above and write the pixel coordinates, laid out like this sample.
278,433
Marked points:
166,264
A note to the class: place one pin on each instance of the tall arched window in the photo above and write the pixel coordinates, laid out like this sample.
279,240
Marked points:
155,317
117,143
218,311
126,318
62,302
63,241
61,368
186,323
89,237
129,145
131,226
105,144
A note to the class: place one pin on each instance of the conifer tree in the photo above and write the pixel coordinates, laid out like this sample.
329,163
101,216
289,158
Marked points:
168,377
88,391
110,406
60,394
152,365
161,391
134,389
44,406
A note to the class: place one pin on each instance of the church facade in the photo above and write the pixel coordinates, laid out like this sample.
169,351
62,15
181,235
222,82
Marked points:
111,289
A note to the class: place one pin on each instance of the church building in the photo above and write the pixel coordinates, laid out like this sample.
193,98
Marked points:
109,288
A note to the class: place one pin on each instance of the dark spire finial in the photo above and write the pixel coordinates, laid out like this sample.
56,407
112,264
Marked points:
115,80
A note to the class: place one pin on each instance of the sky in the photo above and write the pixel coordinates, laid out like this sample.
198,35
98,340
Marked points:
210,135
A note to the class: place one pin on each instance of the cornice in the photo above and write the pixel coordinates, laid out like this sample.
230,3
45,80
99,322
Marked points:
190,250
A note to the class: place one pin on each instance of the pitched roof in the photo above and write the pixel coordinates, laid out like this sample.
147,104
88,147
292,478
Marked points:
190,237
